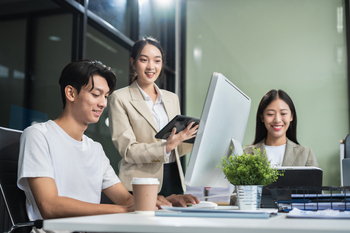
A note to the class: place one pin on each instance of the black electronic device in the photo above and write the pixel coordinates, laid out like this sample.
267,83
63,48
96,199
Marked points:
180,122
293,178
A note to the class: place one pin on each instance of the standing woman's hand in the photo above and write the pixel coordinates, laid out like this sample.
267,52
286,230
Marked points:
176,138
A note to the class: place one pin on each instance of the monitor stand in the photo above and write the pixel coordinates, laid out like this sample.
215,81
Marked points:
236,147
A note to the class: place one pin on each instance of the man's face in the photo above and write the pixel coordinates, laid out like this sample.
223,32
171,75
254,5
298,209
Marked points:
89,104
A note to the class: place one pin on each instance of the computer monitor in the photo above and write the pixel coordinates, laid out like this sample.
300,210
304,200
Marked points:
222,124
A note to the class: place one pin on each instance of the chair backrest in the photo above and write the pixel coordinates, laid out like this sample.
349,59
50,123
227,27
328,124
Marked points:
347,146
346,171
14,197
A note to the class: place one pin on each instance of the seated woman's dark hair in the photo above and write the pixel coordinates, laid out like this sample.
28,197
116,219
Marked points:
136,51
260,130
78,73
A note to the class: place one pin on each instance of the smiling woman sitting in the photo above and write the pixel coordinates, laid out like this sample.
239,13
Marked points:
276,132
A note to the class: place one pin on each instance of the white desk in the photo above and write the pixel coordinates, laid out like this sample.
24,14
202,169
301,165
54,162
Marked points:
137,223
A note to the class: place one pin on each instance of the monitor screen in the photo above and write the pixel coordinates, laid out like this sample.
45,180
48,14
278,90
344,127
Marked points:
224,117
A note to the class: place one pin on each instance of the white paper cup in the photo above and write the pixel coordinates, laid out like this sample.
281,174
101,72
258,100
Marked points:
145,191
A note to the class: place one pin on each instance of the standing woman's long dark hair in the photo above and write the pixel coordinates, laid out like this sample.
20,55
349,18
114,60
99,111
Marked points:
260,130
136,51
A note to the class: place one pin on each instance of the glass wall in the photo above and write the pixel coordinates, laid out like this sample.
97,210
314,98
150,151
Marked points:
12,67
52,53
30,73
155,15
101,48
116,13
157,19
33,51
296,46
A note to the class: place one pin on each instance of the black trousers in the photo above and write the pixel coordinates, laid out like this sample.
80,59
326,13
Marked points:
171,180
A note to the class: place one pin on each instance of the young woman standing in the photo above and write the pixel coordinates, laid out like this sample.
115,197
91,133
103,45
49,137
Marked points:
137,113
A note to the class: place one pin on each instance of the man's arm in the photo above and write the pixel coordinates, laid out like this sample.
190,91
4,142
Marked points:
53,206
119,195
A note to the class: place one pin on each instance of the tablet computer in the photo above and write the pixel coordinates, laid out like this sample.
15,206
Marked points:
180,122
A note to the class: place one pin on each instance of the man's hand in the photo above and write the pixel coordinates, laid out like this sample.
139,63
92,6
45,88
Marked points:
176,138
182,200
130,208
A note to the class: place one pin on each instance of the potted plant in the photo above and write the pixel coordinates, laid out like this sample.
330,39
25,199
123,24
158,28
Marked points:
249,173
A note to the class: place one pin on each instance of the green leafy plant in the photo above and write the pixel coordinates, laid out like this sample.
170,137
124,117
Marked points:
249,169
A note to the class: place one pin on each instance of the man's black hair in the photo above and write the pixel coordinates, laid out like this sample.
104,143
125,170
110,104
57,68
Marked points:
78,74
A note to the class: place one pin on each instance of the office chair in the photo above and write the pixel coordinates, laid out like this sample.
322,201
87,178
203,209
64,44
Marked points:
14,198
347,146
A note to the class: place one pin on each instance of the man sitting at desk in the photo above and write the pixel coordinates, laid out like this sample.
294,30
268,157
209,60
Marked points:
61,170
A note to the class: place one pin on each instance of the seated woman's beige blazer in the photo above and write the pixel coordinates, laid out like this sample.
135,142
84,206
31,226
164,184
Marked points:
133,128
295,155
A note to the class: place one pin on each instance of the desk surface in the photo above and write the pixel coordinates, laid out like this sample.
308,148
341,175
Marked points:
132,222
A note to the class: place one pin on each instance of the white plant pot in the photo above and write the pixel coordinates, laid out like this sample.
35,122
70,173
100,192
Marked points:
249,197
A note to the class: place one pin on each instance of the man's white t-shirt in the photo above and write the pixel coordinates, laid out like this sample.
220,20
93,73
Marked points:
275,154
80,168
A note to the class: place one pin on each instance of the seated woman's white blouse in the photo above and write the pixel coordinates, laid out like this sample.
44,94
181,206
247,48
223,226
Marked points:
275,154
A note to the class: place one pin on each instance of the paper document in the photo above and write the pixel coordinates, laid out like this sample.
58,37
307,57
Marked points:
321,196
219,212
316,206
219,209
297,213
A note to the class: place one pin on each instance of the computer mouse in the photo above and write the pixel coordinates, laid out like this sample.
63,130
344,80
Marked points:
206,204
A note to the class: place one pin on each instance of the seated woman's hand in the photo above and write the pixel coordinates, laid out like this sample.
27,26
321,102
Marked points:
176,138
182,200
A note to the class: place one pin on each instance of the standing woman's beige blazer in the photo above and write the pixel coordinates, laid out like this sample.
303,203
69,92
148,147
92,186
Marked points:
133,128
